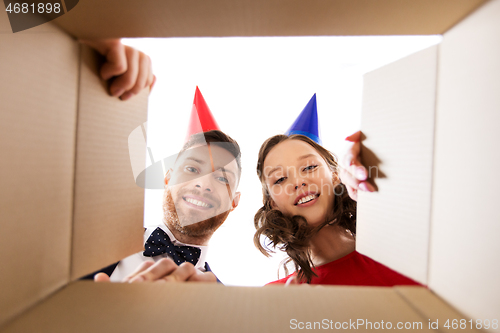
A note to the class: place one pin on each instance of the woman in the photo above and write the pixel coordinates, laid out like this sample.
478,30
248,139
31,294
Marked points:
308,213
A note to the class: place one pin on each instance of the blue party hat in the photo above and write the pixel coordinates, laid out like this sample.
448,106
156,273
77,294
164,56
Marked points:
307,122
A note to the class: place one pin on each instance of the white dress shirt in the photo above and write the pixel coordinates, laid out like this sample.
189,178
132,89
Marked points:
130,264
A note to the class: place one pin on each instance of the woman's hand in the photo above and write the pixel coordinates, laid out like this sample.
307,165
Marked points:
352,173
130,68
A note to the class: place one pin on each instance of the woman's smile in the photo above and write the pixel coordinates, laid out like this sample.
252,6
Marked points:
306,199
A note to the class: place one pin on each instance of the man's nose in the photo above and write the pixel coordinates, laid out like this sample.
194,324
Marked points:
204,184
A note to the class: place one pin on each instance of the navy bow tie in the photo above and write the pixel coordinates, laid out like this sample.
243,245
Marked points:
159,243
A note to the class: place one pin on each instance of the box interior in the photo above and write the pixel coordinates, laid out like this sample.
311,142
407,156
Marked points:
217,18
69,183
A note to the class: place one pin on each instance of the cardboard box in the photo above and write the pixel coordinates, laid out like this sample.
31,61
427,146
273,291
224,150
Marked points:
67,182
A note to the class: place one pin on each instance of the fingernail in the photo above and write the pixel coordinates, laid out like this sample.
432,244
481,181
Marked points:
370,187
126,96
137,279
117,92
363,187
361,173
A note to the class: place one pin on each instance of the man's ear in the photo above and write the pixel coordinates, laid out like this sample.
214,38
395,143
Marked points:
168,175
236,200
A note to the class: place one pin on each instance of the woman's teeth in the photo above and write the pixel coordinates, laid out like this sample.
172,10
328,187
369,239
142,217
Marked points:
306,199
196,202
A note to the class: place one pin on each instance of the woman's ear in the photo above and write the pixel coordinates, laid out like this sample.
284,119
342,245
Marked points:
335,177
272,203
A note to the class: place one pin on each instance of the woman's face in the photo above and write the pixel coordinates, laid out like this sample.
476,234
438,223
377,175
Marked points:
300,181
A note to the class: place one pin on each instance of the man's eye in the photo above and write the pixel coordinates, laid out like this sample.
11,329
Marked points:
223,179
279,181
311,167
192,169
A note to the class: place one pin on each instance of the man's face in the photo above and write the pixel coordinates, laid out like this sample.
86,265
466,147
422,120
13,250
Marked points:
201,189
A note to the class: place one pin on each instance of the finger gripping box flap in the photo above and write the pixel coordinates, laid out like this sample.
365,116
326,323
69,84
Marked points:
191,18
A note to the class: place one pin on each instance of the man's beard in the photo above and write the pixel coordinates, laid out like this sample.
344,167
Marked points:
198,229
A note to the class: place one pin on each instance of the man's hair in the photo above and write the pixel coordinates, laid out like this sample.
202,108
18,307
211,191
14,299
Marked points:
216,138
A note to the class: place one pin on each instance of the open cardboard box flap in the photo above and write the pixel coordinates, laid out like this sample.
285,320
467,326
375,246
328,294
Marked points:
68,182
119,18
86,307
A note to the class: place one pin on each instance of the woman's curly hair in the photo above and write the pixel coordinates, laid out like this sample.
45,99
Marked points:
293,234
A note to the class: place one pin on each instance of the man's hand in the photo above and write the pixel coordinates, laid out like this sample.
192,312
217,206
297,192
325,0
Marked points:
164,270
352,173
101,277
130,68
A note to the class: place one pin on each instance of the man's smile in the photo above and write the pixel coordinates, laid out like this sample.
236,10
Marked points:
194,201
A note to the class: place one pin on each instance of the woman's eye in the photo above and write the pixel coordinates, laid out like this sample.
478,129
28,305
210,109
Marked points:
279,181
309,168
192,169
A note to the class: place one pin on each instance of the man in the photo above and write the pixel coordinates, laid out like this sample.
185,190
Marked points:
129,71
200,192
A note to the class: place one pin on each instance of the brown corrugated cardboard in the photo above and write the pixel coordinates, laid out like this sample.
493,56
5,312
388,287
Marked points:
38,97
4,23
109,206
5,26
465,250
107,200
49,235
398,122
119,18
436,310
195,307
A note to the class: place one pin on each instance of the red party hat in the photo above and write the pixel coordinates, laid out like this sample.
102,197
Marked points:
201,119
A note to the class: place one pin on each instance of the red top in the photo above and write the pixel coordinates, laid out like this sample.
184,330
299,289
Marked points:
356,269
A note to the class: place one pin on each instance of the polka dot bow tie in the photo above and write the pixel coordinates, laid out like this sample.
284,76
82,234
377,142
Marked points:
159,243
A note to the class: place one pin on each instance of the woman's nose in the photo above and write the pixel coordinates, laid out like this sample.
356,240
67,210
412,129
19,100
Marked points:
297,186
